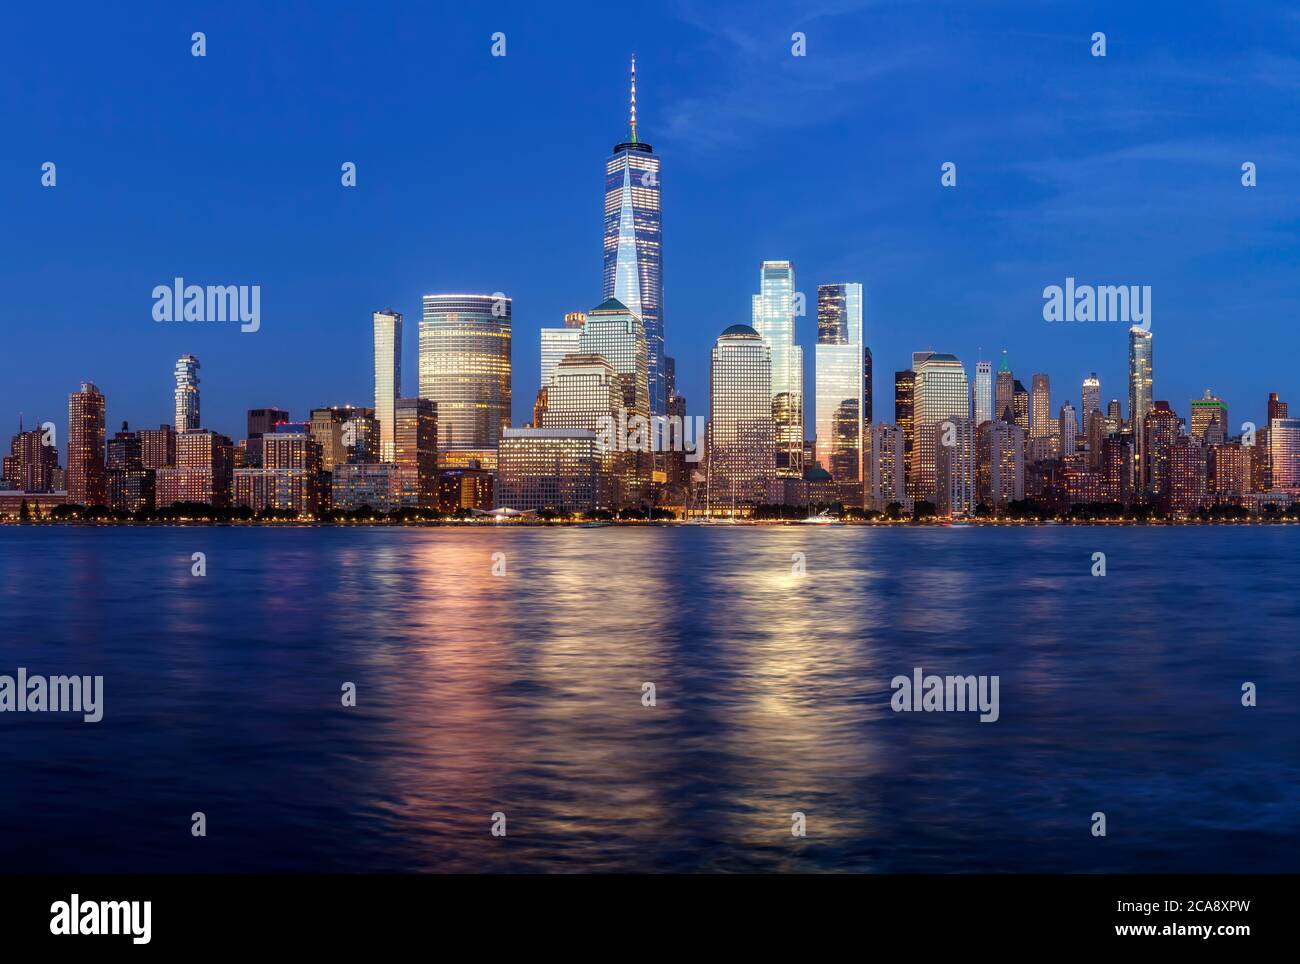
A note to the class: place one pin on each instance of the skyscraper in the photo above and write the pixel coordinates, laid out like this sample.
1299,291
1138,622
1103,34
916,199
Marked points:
887,478
1205,410
465,370
1089,399
1140,384
983,392
187,393
742,432
388,376
556,343
1041,423
1276,407
1000,463
773,314
841,382
1020,405
87,483
617,334
904,415
942,395
1004,391
585,392
261,421
634,245
415,451
954,466
1069,429
1160,431
1284,453
203,471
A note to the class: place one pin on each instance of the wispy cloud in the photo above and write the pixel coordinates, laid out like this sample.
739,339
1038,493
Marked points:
760,88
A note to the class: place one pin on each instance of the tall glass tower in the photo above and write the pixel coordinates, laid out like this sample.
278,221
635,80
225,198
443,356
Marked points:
773,319
634,245
388,378
1140,377
465,370
842,382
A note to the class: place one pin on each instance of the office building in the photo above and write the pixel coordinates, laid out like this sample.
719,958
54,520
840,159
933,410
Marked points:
388,375
773,317
742,431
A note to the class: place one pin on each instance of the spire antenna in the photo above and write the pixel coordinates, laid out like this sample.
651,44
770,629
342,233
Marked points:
633,114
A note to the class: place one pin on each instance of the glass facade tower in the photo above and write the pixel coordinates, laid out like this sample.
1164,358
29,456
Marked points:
742,433
842,384
465,368
1139,391
634,246
388,378
773,315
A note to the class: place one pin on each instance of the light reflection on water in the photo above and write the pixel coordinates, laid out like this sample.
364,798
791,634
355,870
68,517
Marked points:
522,694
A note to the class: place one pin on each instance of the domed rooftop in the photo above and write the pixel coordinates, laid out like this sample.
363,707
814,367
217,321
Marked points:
740,330
815,473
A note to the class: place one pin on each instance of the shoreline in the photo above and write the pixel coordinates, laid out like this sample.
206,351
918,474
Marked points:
641,524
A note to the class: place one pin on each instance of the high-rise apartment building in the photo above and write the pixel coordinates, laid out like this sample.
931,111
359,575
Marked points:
887,481
999,464
87,483
187,393
203,471
1284,453
1160,428
1140,382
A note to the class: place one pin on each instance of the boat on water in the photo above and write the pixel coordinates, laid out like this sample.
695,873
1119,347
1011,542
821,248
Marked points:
820,519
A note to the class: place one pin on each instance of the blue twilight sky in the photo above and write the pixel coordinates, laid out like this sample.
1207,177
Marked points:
478,173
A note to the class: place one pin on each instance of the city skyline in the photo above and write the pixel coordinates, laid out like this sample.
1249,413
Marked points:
948,303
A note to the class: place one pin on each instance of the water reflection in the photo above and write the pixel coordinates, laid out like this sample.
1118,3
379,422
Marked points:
522,693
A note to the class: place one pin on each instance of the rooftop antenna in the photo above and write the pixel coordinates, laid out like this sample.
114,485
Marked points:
633,114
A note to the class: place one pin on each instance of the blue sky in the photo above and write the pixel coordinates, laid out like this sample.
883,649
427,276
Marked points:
478,173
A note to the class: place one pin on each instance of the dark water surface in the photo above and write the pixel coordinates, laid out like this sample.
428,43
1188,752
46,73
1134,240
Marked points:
522,694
